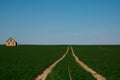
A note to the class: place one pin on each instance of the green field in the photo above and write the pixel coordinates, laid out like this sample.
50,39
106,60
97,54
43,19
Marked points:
25,62
103,59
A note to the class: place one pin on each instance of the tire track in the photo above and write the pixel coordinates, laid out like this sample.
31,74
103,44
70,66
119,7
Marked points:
70,77
84,66
45,73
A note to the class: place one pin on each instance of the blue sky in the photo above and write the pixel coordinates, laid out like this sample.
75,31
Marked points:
60,21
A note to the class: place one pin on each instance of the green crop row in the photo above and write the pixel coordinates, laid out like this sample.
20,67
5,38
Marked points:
60,71
26,62
103,59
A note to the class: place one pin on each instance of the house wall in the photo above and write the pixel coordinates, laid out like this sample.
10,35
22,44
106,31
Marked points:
11,43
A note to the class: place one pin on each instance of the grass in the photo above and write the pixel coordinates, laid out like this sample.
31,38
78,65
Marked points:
60,72
103,59
25,62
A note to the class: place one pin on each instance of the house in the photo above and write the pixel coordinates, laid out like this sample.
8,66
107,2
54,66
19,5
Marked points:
11,42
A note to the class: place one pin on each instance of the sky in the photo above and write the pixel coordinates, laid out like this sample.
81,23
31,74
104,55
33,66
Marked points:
60,21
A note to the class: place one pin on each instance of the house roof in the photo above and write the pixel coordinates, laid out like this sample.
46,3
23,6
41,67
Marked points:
10,38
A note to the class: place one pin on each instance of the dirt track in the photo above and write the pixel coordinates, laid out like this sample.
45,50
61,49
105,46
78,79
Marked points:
45,73
84,66
43,76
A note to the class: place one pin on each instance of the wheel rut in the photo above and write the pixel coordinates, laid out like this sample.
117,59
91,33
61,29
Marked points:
85,67
70,76
45,73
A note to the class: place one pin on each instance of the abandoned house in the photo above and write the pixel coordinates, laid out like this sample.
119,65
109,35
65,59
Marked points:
11,42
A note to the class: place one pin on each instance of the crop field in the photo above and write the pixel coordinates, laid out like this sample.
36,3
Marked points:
103,59
26,62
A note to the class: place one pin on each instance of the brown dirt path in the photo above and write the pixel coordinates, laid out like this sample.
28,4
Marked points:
45,73
90,70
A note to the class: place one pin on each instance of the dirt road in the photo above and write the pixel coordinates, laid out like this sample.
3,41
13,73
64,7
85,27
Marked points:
45,73
84,66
